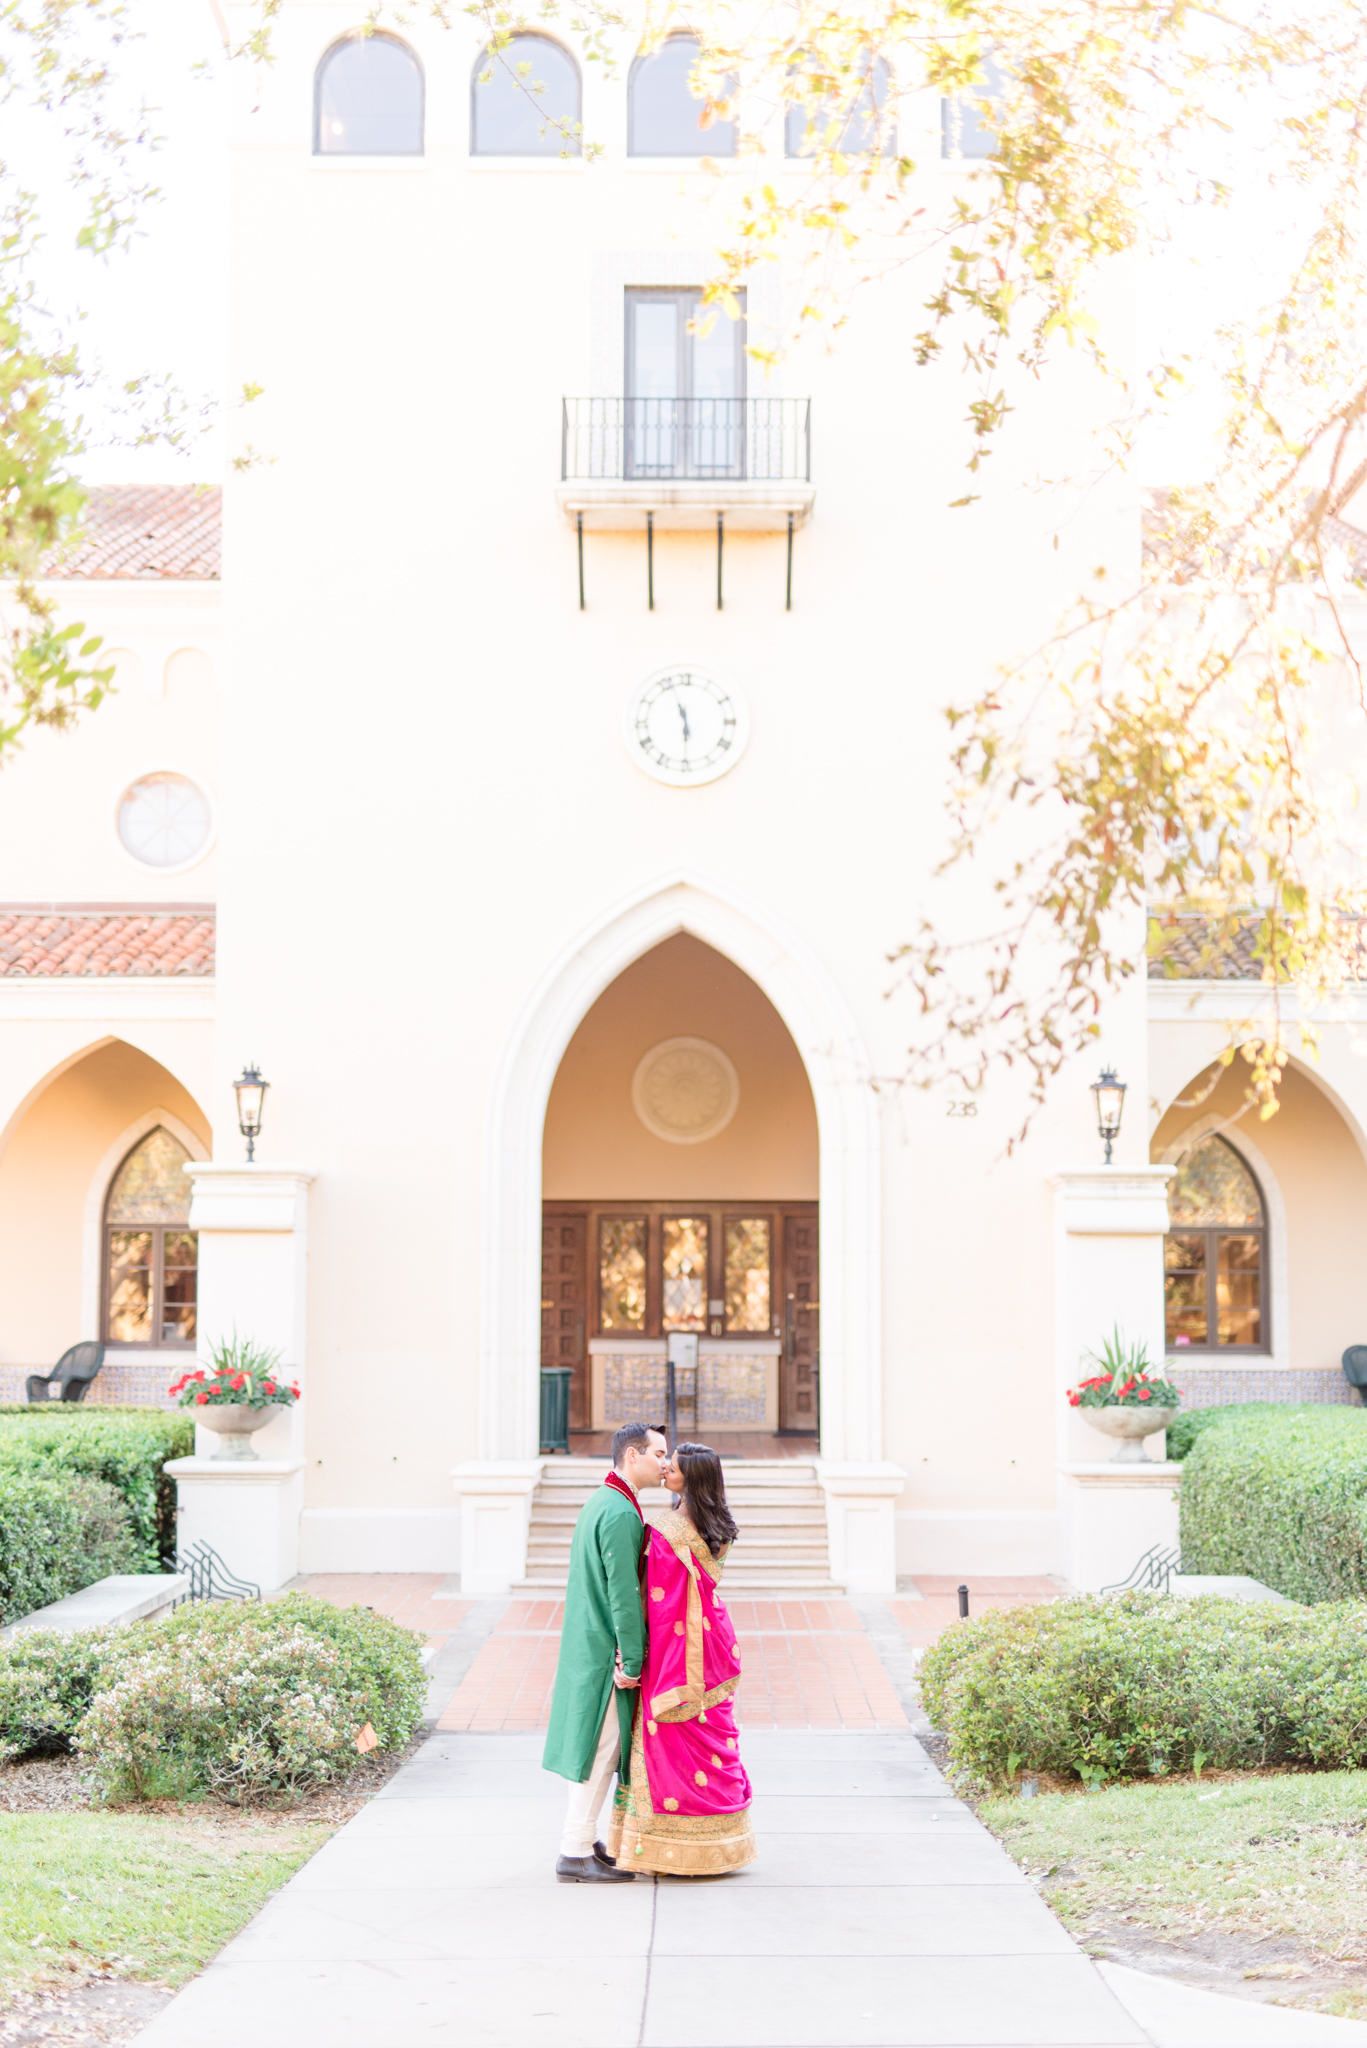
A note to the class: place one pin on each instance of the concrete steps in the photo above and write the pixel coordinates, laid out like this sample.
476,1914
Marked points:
783,1550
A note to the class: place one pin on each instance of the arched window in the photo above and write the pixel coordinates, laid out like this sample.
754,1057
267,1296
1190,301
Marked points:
367,99
664,114
1215,1253
522,97
150,1255
855,132
963,132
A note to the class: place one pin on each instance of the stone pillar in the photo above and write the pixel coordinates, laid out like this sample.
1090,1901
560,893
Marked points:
248,1511
861,1523
252,1223
1111,1514
1108,1273
495,1516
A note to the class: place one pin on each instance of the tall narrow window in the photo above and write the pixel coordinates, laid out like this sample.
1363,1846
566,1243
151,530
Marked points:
685,389
150,1253
622,1244
525,101
748,1263
664,113
368,99
855,129
685,1273
1215,1254
963,131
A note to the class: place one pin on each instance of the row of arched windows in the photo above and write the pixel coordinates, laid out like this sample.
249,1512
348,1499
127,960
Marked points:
525,100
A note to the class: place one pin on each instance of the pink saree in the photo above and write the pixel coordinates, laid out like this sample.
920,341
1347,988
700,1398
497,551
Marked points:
686,1809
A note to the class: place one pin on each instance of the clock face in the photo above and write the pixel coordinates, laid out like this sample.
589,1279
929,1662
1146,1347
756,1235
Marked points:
683,726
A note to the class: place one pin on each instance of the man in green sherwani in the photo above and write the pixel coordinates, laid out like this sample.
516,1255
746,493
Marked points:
602,1649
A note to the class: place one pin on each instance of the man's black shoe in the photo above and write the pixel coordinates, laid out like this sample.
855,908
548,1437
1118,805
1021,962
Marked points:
588,1870
602,1856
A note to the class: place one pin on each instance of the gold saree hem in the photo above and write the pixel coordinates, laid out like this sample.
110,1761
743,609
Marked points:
675,1844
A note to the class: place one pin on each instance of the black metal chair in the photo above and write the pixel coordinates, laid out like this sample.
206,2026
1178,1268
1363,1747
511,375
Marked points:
72,1374
1355,1369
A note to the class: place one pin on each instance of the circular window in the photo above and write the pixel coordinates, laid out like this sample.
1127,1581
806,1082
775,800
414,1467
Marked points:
164,821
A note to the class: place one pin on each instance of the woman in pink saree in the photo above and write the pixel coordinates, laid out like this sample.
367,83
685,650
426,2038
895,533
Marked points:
686,1809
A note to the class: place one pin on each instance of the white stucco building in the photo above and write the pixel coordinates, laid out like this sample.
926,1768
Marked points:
536,791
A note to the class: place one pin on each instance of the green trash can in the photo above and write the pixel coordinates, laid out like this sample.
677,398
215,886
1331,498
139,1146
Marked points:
555,1407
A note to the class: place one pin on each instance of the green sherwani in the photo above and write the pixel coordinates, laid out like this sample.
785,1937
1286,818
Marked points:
602,1616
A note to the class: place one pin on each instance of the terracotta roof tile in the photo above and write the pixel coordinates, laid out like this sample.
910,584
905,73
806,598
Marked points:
1192,949
147,534
64,942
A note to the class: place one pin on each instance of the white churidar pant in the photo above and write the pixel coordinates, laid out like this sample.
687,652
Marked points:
586,1800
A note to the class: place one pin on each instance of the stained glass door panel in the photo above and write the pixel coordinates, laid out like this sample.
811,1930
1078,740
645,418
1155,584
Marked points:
685,1273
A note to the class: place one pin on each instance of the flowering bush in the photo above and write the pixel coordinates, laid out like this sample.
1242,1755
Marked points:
1127,1381
47,1681
239,1698
248,1700
1142,1684
244,1375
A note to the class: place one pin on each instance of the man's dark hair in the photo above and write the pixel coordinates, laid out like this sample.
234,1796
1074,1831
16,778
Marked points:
632,1436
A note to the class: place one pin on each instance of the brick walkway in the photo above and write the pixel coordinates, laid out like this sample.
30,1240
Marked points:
404,1596
925,1620
805,1664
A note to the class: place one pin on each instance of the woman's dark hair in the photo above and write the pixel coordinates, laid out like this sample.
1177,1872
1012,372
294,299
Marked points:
704,1496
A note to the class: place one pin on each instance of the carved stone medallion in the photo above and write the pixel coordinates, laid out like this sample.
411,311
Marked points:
685,1090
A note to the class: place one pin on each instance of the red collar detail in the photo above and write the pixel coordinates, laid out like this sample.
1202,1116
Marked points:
620,1486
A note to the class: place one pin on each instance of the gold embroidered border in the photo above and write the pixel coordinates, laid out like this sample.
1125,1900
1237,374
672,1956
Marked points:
684,1844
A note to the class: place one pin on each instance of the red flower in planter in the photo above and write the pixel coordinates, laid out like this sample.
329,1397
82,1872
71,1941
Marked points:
1146,1393
1075,1400
201,1400
268,1387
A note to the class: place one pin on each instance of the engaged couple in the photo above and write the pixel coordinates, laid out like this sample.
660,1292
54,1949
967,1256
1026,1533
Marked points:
648,1670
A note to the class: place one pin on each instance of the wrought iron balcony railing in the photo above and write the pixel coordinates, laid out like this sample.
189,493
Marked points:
698,440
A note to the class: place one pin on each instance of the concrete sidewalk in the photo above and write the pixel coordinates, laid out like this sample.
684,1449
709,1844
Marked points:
880,1915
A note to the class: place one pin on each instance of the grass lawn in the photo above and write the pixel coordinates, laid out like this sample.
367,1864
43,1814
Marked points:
135,1893
1238,1881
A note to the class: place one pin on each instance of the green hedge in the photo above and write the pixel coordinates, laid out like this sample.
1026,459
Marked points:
57,1534
1281,1494
243,1698
1140,1685
124,1447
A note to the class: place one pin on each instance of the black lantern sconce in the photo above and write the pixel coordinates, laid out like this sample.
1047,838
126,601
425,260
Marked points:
250,1091
1110,1107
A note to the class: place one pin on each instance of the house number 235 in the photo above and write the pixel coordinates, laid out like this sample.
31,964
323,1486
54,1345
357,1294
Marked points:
962,1109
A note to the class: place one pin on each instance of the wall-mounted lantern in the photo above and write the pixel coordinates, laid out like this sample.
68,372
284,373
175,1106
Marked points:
250,1091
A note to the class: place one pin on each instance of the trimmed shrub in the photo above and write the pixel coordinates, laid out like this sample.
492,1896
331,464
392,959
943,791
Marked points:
1281,1494
57,1535
245,1700
124,1447
1193,1423
1140,1685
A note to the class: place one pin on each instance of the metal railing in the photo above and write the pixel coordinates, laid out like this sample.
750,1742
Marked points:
706,440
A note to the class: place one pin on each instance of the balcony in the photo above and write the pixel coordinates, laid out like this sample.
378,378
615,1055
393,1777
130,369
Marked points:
680,464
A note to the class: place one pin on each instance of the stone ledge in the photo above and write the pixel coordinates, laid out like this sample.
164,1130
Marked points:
109,1603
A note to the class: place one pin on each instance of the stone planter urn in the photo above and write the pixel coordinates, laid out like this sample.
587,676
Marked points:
234,1427
1131,1426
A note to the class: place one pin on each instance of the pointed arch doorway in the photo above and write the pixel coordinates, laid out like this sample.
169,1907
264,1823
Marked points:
680,1210
831,1053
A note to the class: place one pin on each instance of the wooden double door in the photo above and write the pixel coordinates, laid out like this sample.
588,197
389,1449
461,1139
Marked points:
605,1271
